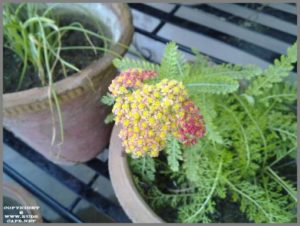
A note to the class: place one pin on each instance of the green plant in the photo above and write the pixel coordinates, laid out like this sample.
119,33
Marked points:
250,125
32,31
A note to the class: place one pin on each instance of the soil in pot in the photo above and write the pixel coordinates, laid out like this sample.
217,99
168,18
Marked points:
79,57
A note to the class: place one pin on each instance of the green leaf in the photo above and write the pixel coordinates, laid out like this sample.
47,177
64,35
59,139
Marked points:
191,163
173,64
275,73
108,99
127,63
259,205
206,105
201,60
214,85
144,167
285,184
109,118
173,150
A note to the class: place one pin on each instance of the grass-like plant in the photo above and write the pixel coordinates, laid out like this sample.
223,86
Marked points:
32,32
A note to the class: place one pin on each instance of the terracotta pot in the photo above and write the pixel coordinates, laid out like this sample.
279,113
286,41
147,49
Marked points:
130,199
14,195
27,114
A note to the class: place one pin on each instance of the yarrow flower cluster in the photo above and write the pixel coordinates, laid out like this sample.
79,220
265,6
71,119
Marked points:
191,126
131,78
148,113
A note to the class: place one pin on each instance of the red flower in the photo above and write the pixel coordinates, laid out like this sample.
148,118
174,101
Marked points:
191,125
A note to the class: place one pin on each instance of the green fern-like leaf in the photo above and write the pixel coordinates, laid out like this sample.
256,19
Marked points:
201,61
127,63
261,207
109,118
173,64
210,84
274,73
282,93
108,99
144,167
191,159
246,134
233,71
287,186
197,211
207,108
173,150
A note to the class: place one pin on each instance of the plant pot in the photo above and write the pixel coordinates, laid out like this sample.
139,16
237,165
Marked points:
27,114
130,199
14,195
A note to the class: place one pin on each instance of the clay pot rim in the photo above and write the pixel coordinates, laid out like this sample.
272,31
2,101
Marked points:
18,193
122,12
121,178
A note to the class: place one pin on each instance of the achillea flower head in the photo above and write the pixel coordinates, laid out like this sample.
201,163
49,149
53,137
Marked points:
131,78
148,113
191,125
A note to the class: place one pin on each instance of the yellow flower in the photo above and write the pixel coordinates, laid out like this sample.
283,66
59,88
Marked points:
163,135
164,128
176,90
165,89
131,139
144,124
145,113
173,125
156,94
154,153
159,115
126,122
156,104
170,96
128,151
149,100
150,133
133,136
141,106
175,134
138,98
125,107
167,103
181,114
157,139
138,83
139,142
176,107
139,153
151,121
136,129
123,89
181,98
117,119
130,98
133,105
136,115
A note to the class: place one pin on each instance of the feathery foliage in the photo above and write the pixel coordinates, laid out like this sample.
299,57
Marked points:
250,120
173,64
127,63
108,99
174,154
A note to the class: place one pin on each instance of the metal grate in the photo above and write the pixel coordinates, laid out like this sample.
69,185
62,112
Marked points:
263,23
